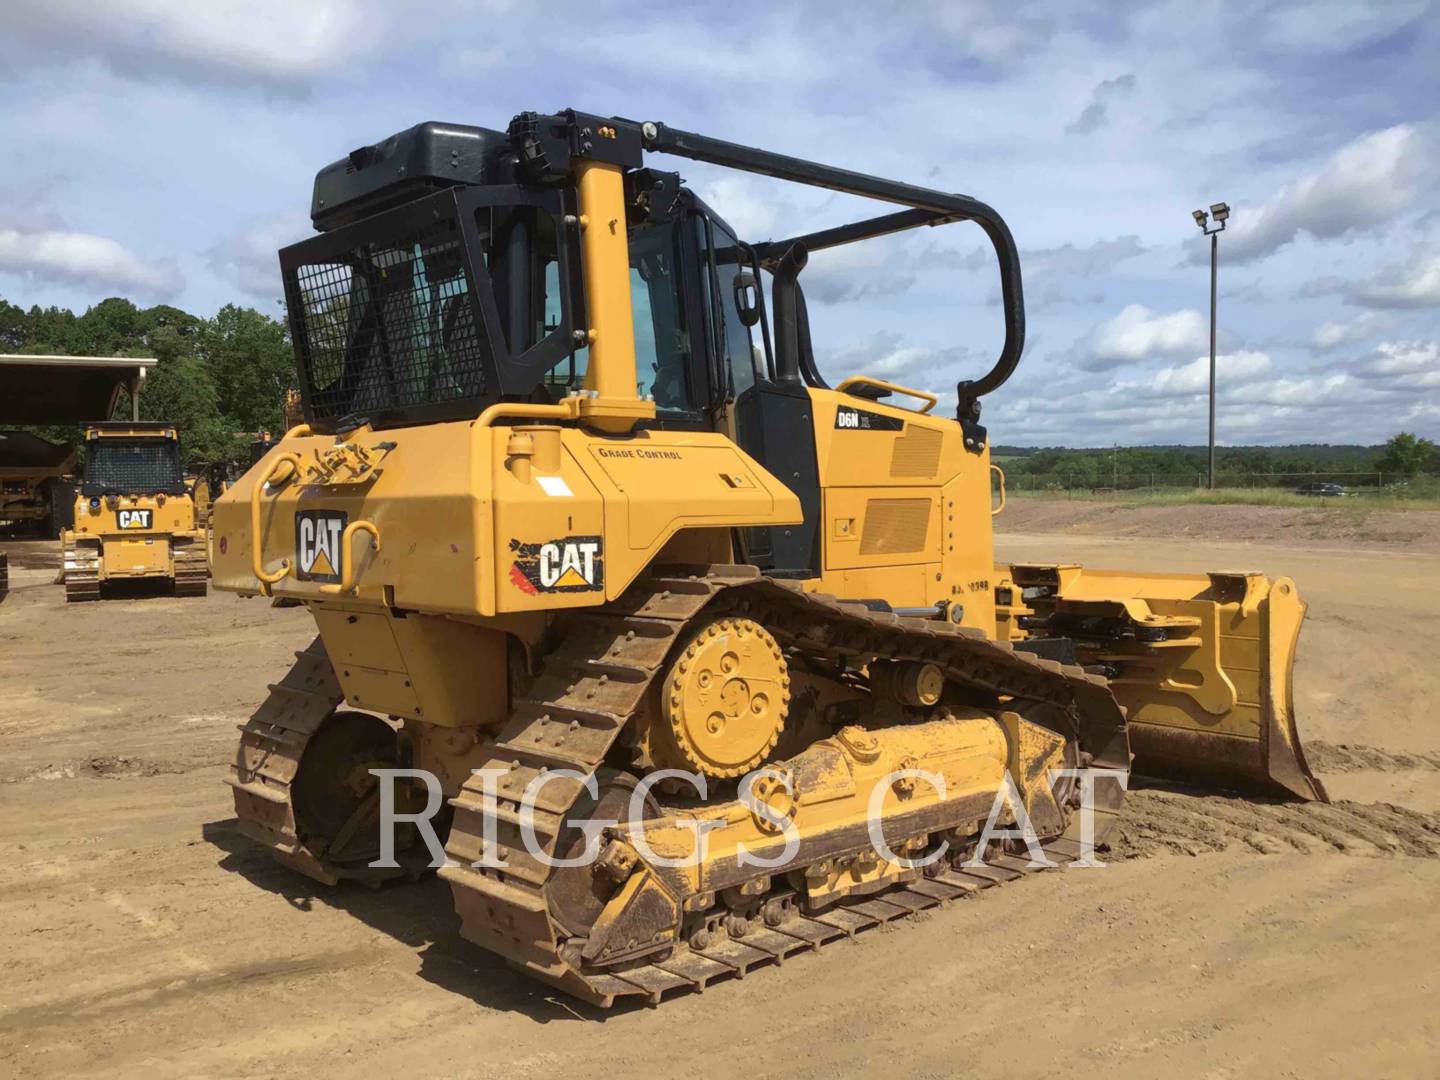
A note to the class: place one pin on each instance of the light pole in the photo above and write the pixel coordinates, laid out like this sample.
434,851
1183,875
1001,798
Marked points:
1221,213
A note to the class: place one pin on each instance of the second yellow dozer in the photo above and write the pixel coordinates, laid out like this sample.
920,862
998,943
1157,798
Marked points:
134,516
710,662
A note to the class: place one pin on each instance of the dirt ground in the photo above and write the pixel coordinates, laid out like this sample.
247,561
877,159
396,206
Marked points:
1335,523
143,936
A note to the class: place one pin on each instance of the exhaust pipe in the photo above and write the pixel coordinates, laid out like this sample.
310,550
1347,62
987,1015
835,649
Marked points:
787,314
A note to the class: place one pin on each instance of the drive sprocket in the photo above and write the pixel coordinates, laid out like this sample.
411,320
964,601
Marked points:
724,699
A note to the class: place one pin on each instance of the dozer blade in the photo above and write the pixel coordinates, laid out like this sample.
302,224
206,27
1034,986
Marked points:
1203,665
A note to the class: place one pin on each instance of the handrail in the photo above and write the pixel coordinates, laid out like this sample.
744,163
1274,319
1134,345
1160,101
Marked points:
895,388
348,564
566,409
1001,474
257,562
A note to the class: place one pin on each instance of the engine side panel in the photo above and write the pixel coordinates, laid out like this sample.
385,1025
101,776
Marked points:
479,520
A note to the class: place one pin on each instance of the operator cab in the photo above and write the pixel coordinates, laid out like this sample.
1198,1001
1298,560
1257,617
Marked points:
432,296
448,278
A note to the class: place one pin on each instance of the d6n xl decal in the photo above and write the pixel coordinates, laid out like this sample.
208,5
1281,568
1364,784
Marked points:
317,544
849,418
570,564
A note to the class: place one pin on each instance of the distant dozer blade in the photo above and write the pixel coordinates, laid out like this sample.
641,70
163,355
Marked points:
1203,665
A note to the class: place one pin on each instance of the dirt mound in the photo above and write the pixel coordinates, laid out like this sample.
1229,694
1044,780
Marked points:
1158,821
104,766
1352,757
1348,525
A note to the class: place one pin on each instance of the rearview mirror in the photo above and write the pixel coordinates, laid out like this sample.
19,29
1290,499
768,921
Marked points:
747,298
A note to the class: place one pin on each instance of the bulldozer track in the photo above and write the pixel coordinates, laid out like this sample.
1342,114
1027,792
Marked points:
597,680
192,567
271,745
80,570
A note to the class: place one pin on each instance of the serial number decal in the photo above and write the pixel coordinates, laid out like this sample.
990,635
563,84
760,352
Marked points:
317,544
848,418
570,564
135,519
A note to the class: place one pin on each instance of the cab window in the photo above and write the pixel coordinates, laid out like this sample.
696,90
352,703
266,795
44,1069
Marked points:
726,260
662,346
730,262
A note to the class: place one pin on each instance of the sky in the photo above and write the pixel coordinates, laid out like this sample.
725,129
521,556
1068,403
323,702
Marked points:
163,151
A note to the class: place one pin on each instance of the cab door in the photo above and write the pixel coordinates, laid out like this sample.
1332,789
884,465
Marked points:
772,422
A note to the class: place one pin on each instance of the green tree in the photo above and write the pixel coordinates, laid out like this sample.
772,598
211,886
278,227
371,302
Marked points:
180,391
14,327
249,358
1406,453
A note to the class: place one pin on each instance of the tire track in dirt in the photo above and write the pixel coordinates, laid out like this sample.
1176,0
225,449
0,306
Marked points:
1162,821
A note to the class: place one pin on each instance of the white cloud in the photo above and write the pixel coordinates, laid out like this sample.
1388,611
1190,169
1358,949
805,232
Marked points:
1331,26
1071,273
990,31
250,258
79,258
856,272
886,356
1231,369
1332,335
1137,333
1094,115
1403,365
1412,284
1363,186
267,41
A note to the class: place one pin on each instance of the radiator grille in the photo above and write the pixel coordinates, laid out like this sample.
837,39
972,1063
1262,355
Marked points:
389,326
916,453
895,526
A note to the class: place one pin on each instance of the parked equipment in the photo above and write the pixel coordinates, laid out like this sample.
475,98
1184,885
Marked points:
37,488
134,518
207,481
572,505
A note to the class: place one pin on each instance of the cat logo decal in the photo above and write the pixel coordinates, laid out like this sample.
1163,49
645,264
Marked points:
317,544
570,564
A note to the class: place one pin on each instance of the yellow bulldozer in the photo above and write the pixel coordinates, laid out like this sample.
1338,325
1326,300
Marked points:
690,660
134,516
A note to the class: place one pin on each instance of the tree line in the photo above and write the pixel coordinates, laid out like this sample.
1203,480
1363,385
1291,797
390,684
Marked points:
220,380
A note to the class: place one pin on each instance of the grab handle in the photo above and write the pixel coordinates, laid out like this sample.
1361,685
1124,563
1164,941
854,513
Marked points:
285,466
349,566
895,388
1001,474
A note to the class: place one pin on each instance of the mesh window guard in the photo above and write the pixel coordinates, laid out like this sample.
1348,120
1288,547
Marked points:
148,468
389,326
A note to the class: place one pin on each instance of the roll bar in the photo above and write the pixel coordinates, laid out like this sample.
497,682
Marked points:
549,146
927,207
